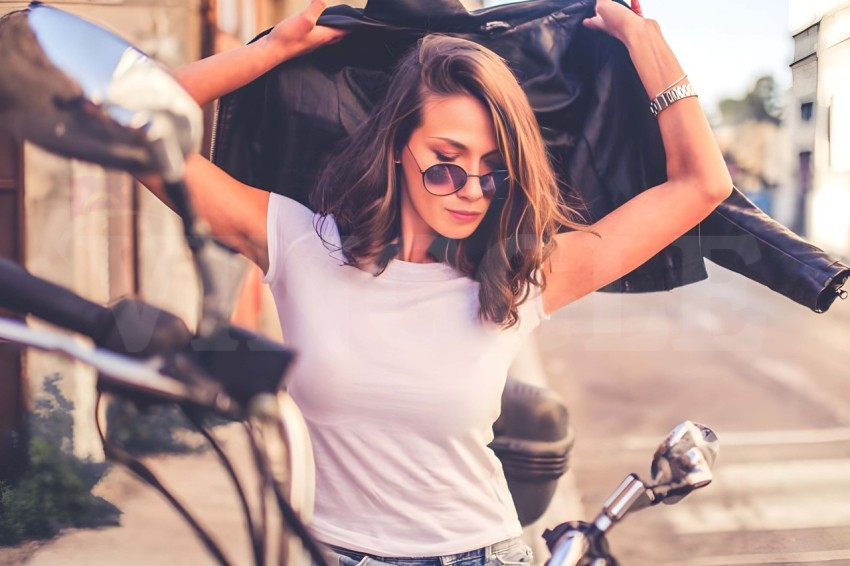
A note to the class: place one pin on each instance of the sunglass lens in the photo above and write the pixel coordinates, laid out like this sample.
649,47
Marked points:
448,178
488,185
494,184
458,176
438,180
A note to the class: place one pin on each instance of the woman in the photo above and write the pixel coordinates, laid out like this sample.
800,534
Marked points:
434,251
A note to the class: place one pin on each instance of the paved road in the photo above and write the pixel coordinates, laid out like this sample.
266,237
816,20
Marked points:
771,377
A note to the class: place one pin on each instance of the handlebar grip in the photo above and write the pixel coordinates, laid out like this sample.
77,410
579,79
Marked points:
24,293
128,327
142,330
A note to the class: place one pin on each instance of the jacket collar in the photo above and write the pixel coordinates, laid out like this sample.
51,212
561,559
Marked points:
447,16
413,13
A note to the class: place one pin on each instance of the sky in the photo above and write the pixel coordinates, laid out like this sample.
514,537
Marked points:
725,45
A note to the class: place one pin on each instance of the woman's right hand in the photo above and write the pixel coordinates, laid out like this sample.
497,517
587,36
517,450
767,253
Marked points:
299,34
615,19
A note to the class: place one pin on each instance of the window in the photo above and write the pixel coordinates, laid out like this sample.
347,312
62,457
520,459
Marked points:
805,171
806,111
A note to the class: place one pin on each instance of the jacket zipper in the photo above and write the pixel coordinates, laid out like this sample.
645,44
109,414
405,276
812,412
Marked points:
214,132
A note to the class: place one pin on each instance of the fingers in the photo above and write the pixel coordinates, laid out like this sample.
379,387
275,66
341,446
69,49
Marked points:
593,23
597,22
314,10
328,36
636,8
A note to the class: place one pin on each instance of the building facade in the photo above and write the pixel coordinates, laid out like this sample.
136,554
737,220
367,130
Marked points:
98,232
821,118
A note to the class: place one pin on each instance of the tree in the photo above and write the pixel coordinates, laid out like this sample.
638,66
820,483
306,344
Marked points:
761,104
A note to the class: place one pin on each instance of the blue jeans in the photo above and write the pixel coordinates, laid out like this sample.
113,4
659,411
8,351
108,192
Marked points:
513,552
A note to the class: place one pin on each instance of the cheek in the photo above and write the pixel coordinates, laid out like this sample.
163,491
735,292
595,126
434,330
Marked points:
426,204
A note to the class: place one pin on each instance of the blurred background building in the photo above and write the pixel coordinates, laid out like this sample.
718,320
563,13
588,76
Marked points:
90,229
820,118
104,236
755,137
97,231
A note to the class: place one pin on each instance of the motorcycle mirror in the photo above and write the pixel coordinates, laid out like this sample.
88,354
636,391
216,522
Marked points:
80,91
683,461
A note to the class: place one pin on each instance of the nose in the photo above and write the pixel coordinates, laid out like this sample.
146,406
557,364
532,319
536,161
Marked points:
471,190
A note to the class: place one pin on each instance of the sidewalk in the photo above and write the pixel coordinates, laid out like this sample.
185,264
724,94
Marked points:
151,533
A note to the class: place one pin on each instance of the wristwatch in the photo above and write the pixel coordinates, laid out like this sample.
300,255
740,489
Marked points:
670,96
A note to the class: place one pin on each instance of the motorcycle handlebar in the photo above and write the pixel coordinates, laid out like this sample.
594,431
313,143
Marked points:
209,364
24,293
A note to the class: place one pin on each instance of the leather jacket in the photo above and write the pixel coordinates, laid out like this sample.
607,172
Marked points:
277,131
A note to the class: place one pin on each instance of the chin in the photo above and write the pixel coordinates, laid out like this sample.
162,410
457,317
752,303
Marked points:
456,233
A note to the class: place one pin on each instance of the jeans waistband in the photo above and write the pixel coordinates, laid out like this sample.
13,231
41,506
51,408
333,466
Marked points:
484,554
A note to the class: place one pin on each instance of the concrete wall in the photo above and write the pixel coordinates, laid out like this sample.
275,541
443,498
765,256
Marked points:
79,218
804,72
805,13
830,203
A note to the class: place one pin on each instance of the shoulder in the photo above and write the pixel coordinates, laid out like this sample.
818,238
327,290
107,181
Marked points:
294,230
287,209
530,310
288,220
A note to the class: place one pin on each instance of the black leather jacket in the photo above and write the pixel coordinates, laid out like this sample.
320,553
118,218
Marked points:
593,111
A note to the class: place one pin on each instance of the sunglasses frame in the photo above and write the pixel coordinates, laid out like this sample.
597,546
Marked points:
495,196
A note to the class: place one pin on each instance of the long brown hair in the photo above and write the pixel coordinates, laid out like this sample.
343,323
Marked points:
361,189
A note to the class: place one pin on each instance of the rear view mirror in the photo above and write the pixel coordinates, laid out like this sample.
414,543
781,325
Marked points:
80,91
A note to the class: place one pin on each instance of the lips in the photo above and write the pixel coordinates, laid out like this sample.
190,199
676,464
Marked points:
464,215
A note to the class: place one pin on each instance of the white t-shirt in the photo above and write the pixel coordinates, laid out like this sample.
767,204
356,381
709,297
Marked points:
399,383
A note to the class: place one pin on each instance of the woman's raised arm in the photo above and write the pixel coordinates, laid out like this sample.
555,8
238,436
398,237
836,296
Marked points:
215,76
236,212
697,177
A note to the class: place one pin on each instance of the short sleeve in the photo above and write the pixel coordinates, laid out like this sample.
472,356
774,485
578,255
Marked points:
531,312
287,221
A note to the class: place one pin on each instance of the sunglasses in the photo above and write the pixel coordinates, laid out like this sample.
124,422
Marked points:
444,179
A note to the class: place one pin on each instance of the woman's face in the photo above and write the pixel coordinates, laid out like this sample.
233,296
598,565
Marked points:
456,129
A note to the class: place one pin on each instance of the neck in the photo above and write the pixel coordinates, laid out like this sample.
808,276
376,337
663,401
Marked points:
416,236
414,249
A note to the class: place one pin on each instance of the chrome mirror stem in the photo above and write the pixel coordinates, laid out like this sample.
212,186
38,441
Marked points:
631,495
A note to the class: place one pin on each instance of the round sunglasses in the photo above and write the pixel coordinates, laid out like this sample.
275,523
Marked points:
443,179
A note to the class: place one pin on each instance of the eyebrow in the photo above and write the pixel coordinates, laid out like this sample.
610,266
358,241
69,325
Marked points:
460,146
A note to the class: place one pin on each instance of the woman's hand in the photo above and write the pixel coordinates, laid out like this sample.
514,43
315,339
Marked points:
215,76
615,19
299,34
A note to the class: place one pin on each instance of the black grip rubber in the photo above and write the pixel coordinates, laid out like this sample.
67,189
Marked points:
24,293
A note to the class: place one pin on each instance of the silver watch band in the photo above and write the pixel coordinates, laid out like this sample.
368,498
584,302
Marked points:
670,96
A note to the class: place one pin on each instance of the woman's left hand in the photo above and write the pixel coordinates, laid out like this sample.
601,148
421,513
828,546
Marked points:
615,19
300,34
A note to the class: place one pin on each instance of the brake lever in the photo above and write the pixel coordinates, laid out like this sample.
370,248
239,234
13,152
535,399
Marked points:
578,543
243,362
224,371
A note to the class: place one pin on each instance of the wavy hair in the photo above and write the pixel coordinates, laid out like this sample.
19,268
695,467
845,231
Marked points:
361,190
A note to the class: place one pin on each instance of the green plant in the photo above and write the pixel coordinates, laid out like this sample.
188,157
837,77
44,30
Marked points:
154,429
54,492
